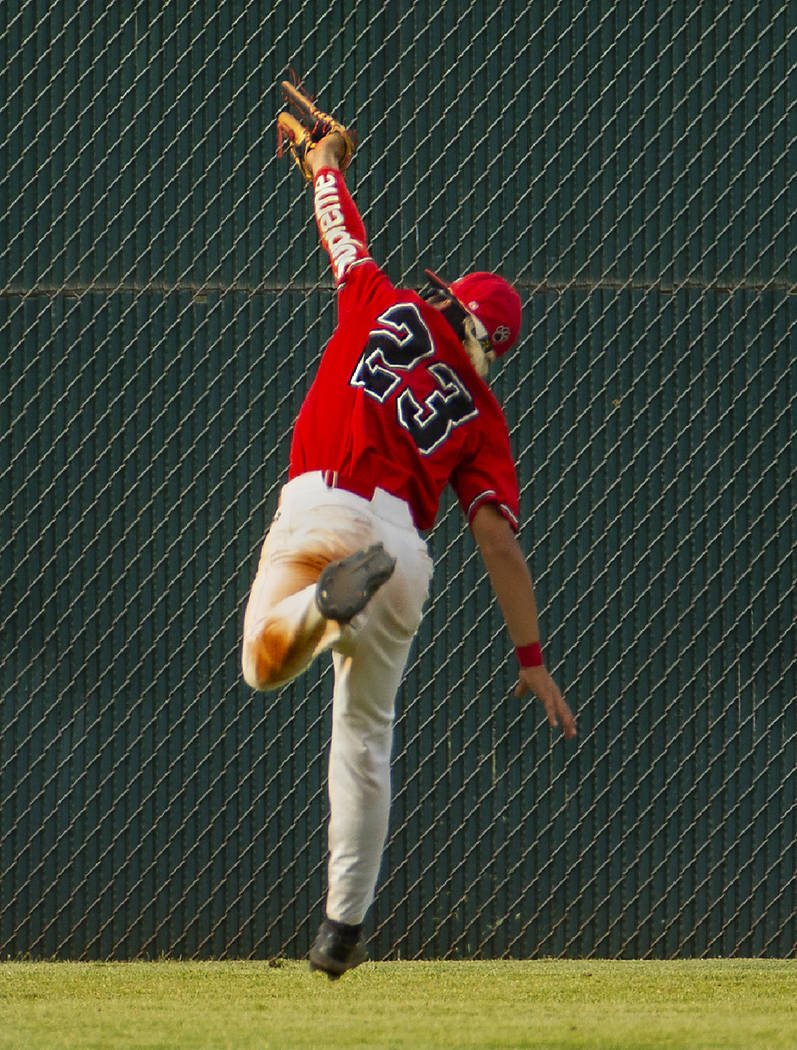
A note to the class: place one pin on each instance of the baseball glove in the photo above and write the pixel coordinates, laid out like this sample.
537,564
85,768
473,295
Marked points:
306,126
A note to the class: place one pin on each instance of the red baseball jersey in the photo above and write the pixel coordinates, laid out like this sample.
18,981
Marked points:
396,403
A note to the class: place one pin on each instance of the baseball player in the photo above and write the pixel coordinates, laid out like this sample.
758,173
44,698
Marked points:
398,409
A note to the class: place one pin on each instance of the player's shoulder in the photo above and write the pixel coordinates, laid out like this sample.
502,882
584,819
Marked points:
365,282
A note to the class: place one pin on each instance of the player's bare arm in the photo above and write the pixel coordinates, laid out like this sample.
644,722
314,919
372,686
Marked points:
511,581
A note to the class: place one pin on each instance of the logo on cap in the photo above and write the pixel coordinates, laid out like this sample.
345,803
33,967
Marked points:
492,300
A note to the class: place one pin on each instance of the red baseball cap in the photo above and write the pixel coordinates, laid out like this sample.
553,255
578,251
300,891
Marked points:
492,300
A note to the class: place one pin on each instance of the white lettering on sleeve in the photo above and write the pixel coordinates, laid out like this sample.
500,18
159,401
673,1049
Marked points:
343,249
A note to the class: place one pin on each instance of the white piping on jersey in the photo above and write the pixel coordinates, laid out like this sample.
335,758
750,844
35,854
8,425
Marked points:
343,249
487,495
480,499
365,258
508,513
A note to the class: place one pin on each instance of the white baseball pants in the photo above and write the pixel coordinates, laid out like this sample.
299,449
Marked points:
284,631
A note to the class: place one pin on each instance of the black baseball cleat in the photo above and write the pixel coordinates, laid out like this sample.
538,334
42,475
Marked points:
345,587
335,952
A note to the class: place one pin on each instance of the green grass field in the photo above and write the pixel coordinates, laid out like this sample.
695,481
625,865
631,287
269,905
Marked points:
723,1004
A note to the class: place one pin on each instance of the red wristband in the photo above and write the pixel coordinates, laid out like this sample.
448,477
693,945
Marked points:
529,655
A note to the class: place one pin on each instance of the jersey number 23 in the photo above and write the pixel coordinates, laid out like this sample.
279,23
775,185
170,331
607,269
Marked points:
397,345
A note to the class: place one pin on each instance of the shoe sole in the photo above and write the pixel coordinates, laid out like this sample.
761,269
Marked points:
333,969
345,587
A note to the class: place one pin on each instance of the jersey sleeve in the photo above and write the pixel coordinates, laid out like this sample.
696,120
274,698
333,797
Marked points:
343,236
488,476
340,226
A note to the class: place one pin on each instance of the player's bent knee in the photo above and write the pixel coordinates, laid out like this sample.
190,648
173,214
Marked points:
271,659
258,674
249,668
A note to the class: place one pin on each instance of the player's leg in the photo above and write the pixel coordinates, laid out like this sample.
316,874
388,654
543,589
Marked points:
359,797
300,605
283,626
315,572
368,674
359,779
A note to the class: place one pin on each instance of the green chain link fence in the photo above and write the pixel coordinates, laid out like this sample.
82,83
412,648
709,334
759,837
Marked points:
162,306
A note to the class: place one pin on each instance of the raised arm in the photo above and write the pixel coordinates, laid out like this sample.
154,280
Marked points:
339,223
511,581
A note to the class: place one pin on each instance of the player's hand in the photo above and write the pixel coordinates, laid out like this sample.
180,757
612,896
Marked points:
537,680
329,153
